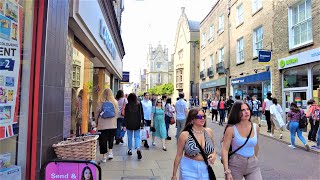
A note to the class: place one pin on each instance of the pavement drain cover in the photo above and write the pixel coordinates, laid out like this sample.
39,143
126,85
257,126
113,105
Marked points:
140,178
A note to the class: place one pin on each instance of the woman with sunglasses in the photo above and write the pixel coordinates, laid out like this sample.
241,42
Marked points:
242,136
159,124
189,157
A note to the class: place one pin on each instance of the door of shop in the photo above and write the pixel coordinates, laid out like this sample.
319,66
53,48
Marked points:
297,96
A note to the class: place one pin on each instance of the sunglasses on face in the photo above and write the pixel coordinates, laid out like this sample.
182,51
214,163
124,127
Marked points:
200,116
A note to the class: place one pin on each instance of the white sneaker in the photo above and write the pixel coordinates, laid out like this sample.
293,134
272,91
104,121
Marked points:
280,136
271,135
104,160
153,144
110,156
291,146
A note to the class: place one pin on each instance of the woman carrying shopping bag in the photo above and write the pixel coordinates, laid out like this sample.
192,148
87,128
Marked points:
276,118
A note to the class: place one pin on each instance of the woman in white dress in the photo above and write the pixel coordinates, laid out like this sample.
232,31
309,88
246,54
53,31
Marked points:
276,117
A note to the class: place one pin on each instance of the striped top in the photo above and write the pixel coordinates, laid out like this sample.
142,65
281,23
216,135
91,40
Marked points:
191,149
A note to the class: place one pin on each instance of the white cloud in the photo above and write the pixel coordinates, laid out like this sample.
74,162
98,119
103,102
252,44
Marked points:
153,21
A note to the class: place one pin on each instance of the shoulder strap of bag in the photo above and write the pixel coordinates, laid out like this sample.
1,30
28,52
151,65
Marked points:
205,158
244,142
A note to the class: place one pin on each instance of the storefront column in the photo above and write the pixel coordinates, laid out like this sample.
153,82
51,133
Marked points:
98,87
85,98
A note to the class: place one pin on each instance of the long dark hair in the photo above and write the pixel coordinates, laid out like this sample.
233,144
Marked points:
133,102
294,107
84,169
235,113
191,115
269,96
119,94
168,102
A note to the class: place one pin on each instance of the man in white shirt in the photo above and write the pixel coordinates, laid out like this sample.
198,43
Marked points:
182,113
147,112
164,100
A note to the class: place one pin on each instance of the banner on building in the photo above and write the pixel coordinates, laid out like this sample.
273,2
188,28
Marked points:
9,65
264,56
125,77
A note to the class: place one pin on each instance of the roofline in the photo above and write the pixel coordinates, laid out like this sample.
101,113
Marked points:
213,8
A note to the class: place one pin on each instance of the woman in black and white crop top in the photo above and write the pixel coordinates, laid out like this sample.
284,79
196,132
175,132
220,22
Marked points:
192,165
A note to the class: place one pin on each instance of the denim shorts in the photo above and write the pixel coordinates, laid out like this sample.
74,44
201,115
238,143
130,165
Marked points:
256,113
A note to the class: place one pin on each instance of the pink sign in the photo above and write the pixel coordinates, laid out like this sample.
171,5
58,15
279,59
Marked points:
71,171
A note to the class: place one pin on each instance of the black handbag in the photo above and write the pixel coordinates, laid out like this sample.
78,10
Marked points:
212,176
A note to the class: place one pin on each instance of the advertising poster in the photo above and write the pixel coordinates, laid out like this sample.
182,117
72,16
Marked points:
9,65
71,171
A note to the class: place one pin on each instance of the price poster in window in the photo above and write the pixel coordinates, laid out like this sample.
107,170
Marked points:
9,65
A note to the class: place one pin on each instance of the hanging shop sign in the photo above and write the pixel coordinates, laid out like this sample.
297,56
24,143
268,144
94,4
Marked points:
125,77
264,56
9,66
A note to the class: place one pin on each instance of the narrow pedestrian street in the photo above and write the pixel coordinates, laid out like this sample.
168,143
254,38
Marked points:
157,164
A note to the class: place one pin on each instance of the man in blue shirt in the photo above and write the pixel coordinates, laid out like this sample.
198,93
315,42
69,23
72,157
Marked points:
182,112
147,112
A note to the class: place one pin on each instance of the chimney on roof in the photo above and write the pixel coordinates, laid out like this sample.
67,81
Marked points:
182,10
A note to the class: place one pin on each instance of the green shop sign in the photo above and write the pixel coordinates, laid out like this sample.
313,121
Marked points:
287,62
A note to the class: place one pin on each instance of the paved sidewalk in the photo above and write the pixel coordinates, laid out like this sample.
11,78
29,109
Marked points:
155,164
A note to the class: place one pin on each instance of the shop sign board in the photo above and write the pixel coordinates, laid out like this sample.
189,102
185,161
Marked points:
105,35
125,77
10,27
306,57
264,56
214,83
251,78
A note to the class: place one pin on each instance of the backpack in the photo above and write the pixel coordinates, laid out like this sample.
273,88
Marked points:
303,123
107,110
316,115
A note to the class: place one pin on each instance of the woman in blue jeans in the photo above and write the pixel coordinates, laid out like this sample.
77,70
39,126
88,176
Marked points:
133,120
294,116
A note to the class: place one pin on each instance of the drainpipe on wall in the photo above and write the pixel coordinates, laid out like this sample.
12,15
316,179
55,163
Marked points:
193,69
227,73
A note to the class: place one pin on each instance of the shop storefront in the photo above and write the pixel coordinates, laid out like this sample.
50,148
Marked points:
257,84
300,78
17,42
94,45
214,88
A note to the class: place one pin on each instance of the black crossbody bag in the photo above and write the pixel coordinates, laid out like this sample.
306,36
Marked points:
230,152
212,176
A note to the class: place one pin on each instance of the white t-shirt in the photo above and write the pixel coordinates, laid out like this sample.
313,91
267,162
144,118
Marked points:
268,104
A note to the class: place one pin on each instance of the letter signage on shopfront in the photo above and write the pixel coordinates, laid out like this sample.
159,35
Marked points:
214,83
252,78
105,35
306,57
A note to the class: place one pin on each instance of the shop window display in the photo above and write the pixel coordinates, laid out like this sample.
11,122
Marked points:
316,83
16,19
296,77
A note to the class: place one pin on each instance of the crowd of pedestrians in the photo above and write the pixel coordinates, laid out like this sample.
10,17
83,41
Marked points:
134,116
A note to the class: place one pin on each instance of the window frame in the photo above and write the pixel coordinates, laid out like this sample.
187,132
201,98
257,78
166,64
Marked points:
203,40
211,32
211,60
255,7
240,52
221,54
238,20
299,24
254,41
221,24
